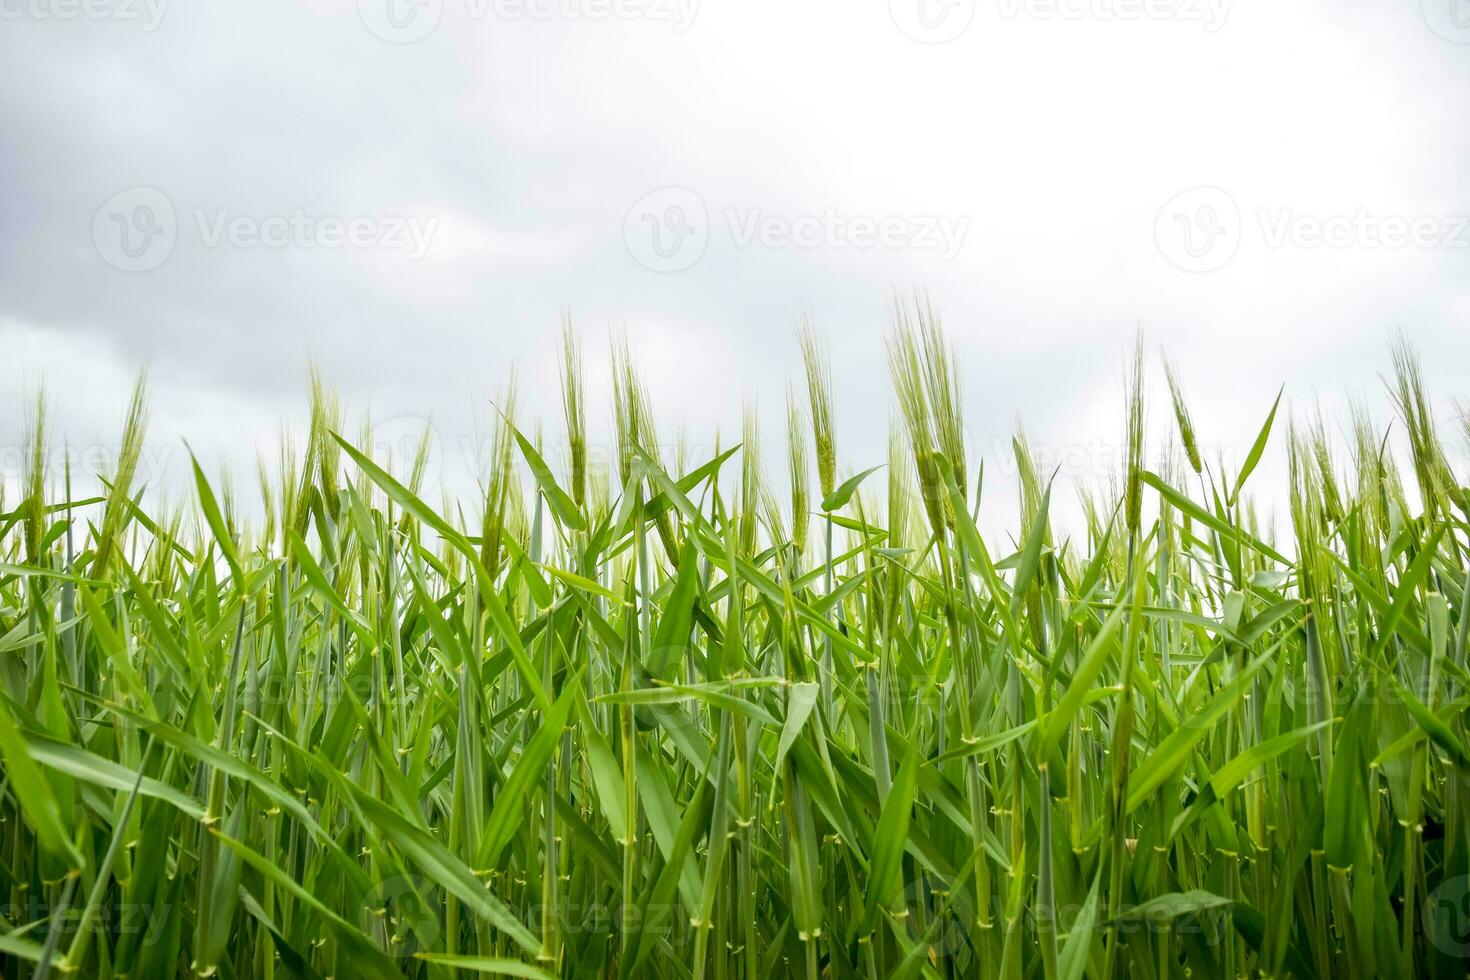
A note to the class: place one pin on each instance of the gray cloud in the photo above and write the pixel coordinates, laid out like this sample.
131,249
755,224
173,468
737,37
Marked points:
525,135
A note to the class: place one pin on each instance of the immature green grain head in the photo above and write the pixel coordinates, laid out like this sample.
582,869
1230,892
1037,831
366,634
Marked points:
900,509
900,486
632,413
905,364
1172,463
1437,484
297,477
420,465
285,476
819,394
326,418
1092,516
599,488
35,482
1309,522
772,515
942,385
165,560
796,457
1462,412
626,402
451,557
1133,492
501,485
1181,417
268,503
926,382
633,417
517,509
1367,470
1326,471
681,449
118,510
229,509
1028,478
573,401
750,479
1314,567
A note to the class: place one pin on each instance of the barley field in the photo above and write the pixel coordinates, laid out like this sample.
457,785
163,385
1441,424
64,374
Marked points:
753,716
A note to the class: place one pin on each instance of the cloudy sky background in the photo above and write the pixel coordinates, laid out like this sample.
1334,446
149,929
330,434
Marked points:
1067,146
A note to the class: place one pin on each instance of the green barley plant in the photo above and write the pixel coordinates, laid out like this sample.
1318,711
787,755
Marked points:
616,722
574,410
798,472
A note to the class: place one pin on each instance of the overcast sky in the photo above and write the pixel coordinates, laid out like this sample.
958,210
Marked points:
410,194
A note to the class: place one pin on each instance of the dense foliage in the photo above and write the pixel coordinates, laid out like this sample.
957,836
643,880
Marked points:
658,722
